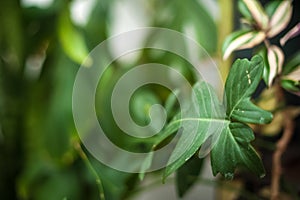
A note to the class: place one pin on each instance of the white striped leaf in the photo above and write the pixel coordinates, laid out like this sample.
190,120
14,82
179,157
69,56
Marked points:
241,40
258,13
292,33
275,62
280,18
291,82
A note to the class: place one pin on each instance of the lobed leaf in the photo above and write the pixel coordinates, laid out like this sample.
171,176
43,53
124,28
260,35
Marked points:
210,119
233,149
242,39
238,93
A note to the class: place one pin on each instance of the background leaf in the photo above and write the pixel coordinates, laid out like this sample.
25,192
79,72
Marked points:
187,175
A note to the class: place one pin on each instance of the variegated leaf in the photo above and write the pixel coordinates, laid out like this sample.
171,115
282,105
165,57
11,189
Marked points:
291,81
294,75
275,60
241,40
280,18
292,33
258,13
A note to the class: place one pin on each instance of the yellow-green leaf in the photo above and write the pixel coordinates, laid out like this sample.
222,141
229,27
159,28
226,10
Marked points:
72,41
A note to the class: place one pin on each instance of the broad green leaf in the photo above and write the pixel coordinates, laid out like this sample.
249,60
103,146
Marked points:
241,83
275,61
242,39
291,34
72,41
257,12
196,129
280,18
233,149
187,175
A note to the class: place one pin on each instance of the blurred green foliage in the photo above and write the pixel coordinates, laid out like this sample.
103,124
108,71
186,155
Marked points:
40,52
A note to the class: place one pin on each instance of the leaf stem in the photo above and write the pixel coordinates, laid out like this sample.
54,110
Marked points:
280,146
84,157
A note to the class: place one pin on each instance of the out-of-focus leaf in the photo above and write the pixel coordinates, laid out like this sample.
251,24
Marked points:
272,6
244,10
146,165
71,40
255,8
238,93
241,40
140,105
204,25
291,81
280,18
235,139
291,64
170,103
275,62
187,175
291,34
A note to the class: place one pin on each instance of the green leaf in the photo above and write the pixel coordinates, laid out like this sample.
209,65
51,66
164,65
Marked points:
292,64
196,129
291,81
233,149
140,104
71,40
242,39
187,175
146,165
241,82
171,102
290,85
205,27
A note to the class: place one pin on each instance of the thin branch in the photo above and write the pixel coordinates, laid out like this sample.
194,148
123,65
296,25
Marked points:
280,147
84,157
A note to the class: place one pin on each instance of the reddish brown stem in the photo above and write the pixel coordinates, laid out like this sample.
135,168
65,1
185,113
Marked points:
280,148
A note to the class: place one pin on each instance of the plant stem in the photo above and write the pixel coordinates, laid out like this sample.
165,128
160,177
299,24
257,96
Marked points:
84,157
225,27
280,146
